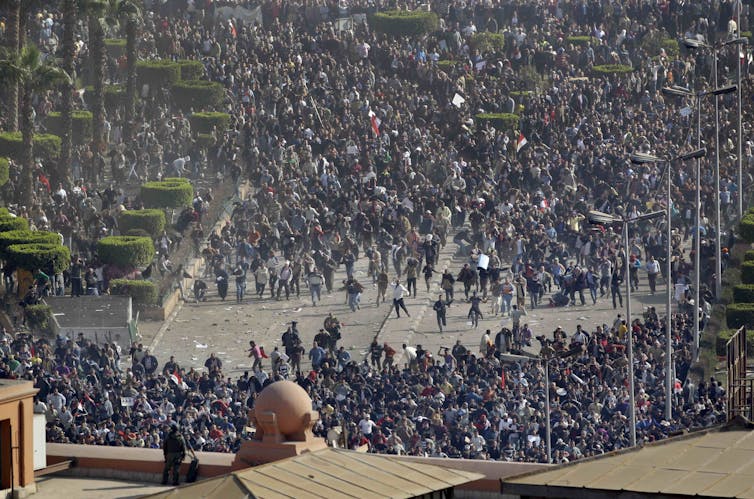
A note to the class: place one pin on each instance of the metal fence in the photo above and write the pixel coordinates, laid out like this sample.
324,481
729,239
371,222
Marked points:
740,386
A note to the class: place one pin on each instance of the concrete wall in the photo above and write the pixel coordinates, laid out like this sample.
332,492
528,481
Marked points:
130,463
489,486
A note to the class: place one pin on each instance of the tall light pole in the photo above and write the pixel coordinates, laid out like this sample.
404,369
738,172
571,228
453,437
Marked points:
648,158
697,96
600,218
714,49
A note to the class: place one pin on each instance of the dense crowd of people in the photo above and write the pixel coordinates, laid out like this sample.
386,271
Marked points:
361,145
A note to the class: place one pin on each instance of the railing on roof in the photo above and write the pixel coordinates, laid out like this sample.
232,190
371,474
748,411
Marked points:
740,389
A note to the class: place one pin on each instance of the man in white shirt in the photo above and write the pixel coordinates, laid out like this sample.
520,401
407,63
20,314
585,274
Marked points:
56,400
653,268
398,293
410,354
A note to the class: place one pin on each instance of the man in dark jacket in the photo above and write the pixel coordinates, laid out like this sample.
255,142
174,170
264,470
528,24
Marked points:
174,450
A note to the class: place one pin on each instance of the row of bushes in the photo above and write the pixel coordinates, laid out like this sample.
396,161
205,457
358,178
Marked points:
741,311
141,292
183,78
168,193
81,127
46,146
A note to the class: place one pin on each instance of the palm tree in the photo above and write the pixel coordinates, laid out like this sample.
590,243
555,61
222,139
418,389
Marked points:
27,70
66,105
95,11
12,9
130,12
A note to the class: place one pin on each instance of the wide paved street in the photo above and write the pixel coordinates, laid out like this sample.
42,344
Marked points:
225,328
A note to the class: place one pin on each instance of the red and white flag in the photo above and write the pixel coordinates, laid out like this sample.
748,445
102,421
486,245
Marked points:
376,122
521,142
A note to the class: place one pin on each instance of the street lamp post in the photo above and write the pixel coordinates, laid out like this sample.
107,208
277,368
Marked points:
685,92
600,218
648,158
694,43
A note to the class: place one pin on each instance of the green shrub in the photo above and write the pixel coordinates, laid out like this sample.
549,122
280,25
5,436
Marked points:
746,227
39,318
204,140
740,314
501,121
747,272
488,43
672,49
749,255
81,127
404,22
197,94
115,97
151,221
46,145
8,223
25,236
137,233
158,73
141,292
725,335
116,47
125,251
446,65
743,293
203,122
170,193
191,70
582,40
4,171
33,256
612,69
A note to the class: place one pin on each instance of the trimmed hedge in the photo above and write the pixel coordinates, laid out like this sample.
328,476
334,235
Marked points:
39,318
203,122
115,97
749,255
743,293
4,171
446,65
8,222
501,121
35,256
204,140
24,236
612,69
197,94
671,46
724,335
116,47
747,272
582,40
404,22
151,221
158,73
141,292
740,314
125,251
746,227
191,70
45,145
170,193
487,42
81,132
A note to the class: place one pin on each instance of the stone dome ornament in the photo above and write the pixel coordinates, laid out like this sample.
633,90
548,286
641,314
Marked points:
283,413
283,419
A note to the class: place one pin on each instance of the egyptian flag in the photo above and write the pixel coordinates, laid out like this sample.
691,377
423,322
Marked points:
376,122
521,142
